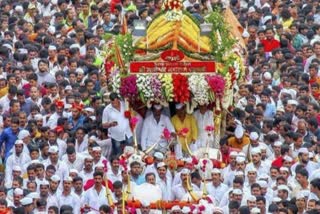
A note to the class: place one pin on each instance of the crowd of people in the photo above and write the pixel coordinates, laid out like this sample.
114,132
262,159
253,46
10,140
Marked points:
65,137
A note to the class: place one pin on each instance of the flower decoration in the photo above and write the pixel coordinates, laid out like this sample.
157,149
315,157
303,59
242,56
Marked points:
194,160
133,122
183,132
202,208
127,114
108,65
123,163
209,128
180,88
199,88
105,165
203,167
145,88
128,88
172,5
166,134
217,84
167,87
156,87
115,80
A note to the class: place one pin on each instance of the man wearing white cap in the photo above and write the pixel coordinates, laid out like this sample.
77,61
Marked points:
180,190
283,192
260,166
254,143
228,172
164,181
44,194
17,158
301,203
303,155
16,172
17,196
216,188
55,181
27,204
153,128
68,197
251,178
61,168
87,171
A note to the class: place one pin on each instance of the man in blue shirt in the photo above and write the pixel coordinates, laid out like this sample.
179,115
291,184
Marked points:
9,137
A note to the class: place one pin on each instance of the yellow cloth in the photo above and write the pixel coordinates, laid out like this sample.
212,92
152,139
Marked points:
287,23
188,122
3,91
232,142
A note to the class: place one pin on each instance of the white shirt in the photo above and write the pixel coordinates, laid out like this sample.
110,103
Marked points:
204,120
95,199
262,169
72,200
166,187
14,160
77,164
152,130
81,147
86,176
53,119
61,168
217,192
122,129
178,191
5,103
114,177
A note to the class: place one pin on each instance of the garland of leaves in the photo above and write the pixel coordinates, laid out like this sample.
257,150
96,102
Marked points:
221,39
125,43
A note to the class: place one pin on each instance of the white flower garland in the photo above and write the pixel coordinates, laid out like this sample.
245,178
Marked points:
199,88
144,87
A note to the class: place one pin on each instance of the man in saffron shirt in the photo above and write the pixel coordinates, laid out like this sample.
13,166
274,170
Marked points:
270,42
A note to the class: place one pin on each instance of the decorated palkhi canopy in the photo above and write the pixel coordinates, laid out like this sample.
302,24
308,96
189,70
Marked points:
175,58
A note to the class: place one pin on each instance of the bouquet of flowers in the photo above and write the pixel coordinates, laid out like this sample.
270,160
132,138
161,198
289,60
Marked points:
144,86
128,88
199,88
180,88
217,84
167,87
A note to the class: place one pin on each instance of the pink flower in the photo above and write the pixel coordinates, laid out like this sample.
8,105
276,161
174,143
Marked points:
105,166
123,163
202,208
217,84
183,132
194,160
209,128
166,134
134,121
204,162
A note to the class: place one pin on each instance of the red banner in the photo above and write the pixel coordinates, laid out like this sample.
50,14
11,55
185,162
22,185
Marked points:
172,67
